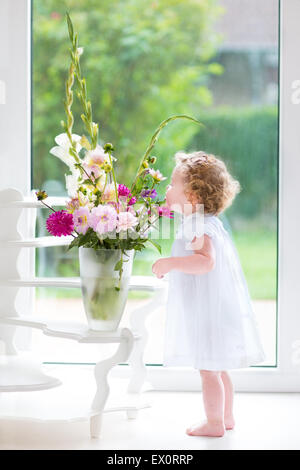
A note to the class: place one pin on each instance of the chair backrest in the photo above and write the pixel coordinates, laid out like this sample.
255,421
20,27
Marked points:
18,241
17,257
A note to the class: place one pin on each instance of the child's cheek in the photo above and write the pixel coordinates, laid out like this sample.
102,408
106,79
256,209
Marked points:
168,198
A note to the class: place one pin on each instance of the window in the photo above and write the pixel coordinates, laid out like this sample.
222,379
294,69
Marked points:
228,80
286,375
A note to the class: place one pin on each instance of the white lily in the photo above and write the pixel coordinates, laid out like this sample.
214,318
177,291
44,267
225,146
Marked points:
72,183
61,151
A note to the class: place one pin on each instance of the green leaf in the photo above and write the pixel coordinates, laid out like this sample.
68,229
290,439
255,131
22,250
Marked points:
118,266
157,246
73,243
70,27
82,152
85,238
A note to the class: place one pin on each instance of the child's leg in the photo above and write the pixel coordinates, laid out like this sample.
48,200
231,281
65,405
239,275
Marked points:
214,402
229,392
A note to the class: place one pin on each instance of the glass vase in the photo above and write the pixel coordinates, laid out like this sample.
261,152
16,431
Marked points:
104,292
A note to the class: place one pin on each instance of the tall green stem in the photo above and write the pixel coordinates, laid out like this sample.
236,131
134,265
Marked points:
68,105
114,179
154,139
86,117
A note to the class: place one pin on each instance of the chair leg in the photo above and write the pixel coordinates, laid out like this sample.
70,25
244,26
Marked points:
101,372
95,425
137,322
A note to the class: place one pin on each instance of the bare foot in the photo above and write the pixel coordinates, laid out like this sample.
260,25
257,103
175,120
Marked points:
229,422
207,429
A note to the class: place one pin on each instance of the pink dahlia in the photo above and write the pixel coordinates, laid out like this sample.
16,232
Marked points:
123,190
126,220
81,219
103,219
132,201
60,223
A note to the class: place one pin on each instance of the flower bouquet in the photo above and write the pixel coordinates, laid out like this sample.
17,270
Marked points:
107,220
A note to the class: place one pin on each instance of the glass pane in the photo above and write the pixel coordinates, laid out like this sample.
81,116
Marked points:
145,61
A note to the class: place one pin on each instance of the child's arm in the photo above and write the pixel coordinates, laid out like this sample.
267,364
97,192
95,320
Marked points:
202,261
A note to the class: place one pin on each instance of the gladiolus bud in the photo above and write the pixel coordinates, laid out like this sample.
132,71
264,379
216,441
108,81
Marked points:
95,128
108,147
107,167
85,143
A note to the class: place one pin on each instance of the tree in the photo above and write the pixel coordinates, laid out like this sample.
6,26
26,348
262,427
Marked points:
143,61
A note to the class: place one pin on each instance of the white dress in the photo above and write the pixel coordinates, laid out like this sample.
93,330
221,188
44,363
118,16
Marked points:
210,323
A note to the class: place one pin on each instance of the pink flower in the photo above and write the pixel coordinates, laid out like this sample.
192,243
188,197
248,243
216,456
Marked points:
103,218
131,210
156,175
123,190
97,156
91,168
73,204
132,201
126,220
109,193
164,211
83,199
60,223
81,219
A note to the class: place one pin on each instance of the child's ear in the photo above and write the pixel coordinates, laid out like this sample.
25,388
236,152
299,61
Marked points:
192,198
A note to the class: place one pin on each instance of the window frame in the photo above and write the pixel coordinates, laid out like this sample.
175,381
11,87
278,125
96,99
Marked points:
15,25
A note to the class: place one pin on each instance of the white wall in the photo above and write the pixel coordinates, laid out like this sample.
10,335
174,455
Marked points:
15,128
15,78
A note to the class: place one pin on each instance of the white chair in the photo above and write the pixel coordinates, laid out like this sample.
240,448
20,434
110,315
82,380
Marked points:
19,371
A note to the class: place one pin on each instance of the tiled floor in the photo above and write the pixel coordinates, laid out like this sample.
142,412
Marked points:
264,421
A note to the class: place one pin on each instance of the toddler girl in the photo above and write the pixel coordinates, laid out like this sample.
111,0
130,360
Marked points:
210,324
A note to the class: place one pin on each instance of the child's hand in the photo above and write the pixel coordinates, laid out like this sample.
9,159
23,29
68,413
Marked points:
161,267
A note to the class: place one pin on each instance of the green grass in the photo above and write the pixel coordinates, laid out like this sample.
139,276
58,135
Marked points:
258,255
257,251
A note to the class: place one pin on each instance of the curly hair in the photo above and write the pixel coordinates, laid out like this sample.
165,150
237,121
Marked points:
207,177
